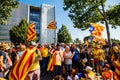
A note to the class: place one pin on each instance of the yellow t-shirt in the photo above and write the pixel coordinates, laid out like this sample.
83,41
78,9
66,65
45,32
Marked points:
44,52
96,53
35,64
101,55
91,75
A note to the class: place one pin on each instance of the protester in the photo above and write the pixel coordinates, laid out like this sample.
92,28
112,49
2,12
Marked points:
82,59
45,58
107,74
68,59
96,55
58,59
73,75
90,75
34,72
2,61
75,59
14,56
58,78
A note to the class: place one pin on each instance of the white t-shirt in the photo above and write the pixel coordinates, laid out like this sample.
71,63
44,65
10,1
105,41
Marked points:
68,61
20,53
75,78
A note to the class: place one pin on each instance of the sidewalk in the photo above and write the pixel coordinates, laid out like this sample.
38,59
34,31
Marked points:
47,76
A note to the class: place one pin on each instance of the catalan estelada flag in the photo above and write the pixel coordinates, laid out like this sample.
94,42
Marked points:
96,29
52,25
31,33
23,65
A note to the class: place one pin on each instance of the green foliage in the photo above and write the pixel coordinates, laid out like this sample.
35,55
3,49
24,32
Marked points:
113,15
63,35
82,12
6,7
19,33
88,38
77,40
115,40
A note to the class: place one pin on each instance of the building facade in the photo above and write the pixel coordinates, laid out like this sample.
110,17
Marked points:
42,16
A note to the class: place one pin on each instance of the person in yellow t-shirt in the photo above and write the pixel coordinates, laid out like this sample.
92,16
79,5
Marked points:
58,59
90,75
102,59
45,58
96,55
35,68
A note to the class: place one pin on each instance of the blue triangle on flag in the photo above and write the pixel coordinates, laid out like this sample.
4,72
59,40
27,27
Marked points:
91,28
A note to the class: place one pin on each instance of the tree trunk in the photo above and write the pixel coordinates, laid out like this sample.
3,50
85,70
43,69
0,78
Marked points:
108,33
106,23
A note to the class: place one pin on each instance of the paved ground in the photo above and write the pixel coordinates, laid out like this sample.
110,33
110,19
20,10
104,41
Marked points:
47,76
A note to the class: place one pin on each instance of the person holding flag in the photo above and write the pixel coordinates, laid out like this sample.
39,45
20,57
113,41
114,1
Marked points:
27,67
34,72
58,59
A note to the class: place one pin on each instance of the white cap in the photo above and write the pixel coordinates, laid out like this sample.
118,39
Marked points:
88,68
33,43
85,60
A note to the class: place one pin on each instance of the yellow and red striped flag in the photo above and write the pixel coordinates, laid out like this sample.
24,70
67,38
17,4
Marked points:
22,67
117,70
52,25
31,33
50,65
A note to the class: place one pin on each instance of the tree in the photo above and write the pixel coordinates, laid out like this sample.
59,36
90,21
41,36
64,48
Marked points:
114,15
82,12
18,33
88,38
64,35
115,40
6,7
77,40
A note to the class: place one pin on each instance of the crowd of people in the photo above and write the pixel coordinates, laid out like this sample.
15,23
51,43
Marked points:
92,61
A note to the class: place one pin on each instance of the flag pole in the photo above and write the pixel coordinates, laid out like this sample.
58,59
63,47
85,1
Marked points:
55,36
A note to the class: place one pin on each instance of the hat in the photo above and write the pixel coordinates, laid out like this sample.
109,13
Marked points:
33,43
88,68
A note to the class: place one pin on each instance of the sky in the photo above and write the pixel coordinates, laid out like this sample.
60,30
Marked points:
62,18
